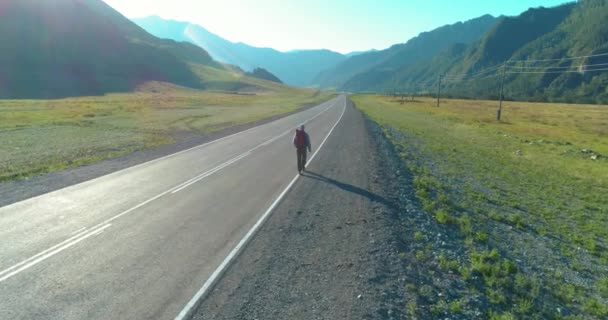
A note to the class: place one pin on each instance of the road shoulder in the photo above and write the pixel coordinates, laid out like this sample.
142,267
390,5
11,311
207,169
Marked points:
329,249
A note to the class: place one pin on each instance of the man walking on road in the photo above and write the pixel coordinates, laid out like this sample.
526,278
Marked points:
301,141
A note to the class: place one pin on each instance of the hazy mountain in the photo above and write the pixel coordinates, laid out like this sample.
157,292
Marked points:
356,53
295,67
262,73
84,47
420,48
574,29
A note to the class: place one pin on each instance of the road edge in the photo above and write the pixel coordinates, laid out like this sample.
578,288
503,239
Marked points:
201,294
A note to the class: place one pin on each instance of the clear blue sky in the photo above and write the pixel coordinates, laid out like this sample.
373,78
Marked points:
339,25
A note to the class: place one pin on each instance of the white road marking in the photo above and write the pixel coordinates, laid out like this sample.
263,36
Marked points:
79,230
82,234
33,261
210,172
100,230
169,156
219,271
327,136
237,158
78,234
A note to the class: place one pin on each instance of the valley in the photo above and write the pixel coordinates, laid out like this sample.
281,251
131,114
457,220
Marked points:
458,171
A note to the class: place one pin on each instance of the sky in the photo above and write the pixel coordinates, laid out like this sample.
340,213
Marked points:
339,25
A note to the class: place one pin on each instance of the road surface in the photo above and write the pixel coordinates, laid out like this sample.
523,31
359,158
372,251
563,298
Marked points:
141,242
329,250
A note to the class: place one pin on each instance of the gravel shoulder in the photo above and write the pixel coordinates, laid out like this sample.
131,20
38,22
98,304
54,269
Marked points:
329,251
15,191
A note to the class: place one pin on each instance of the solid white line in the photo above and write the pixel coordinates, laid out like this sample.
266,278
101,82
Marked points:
176,153
330,131
54,252
215,276
43,255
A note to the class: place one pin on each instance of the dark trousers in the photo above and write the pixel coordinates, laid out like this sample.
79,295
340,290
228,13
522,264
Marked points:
301,159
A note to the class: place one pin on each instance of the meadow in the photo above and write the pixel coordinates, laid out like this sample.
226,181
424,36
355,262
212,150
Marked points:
41,136
523,200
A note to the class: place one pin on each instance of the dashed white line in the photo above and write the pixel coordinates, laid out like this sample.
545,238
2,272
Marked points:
173,154
84,233
219,271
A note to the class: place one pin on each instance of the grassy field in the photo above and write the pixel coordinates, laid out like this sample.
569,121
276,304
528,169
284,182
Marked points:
40,136
525,202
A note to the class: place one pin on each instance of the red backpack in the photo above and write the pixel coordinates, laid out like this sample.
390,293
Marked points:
300,138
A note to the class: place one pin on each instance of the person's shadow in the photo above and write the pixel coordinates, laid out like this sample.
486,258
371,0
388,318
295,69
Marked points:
350,188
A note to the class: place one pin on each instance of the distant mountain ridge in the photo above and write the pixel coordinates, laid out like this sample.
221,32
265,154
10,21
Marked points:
64,48
84,47
377,64
295,68
473,70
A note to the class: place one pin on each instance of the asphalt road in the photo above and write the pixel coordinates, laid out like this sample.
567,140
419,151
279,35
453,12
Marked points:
140,243
329,250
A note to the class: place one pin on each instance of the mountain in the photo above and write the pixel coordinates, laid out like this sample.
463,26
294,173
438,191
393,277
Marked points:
498,42
425,45
294,67
64,48
583,32
356,53
474,70
262,73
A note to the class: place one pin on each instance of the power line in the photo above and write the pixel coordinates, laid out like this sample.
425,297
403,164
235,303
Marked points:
512,69
565,67
568,58
471,79
464,75
534,70
564,71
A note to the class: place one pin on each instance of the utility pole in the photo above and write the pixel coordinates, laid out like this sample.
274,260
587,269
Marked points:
502,86
438,90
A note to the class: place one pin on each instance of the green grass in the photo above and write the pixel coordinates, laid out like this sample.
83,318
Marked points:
527,191
41,136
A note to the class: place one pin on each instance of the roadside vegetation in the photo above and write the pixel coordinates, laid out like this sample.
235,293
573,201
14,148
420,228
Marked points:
41,136
518,209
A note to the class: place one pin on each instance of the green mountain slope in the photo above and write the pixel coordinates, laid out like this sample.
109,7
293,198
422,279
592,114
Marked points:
570,30
583,32
262,73
84,47
376,65
294,67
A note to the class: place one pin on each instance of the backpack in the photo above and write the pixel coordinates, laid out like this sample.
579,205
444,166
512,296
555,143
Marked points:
300,139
